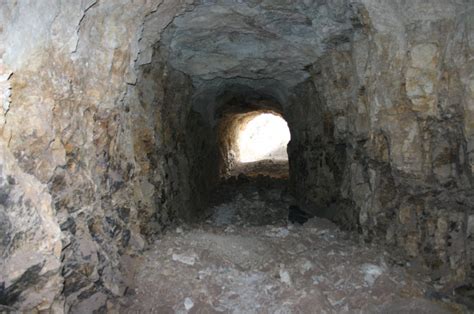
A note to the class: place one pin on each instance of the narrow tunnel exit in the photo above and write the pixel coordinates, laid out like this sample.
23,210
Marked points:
264,136
254,143
253,189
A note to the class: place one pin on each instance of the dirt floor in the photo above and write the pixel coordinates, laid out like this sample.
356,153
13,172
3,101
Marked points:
270,168
247,258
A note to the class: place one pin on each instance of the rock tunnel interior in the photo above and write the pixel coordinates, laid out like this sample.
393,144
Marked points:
118,120
236,106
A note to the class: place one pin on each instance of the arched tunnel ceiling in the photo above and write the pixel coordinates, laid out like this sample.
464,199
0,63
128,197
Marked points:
213,96
255,39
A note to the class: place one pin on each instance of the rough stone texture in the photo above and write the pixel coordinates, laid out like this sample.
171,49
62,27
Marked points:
108,116
247,258
30,247
389,155
81,150
261,39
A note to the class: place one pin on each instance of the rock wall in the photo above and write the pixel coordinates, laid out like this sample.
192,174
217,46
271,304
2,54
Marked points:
385,134
179,145
30,247
84,176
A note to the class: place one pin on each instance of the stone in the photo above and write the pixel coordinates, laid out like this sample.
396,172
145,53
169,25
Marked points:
185,259
31,240
285,277
424,56
371,273
278,232
94,303
111,110
188,304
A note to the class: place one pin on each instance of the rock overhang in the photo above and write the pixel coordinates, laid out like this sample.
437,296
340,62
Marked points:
227,39
212,97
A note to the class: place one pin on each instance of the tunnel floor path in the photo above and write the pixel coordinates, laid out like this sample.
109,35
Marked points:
246,258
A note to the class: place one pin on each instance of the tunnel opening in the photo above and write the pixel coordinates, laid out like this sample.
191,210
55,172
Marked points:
254,169
254,143
251,136
264,136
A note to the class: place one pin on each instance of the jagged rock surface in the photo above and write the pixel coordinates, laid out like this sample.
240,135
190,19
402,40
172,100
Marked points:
108,115
253,264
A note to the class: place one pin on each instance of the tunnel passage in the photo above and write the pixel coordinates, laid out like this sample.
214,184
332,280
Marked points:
109,118
219,111
246,193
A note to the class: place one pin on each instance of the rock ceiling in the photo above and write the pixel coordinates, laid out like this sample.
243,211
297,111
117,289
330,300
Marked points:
255,39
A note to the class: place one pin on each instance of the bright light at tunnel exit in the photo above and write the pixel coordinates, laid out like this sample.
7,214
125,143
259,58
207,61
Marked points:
264,137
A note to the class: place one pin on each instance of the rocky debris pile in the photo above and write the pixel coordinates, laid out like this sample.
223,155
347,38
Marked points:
267,167
231,264
244,211
270,269
249,199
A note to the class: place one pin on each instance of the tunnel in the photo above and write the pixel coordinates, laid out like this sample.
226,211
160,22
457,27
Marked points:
134,176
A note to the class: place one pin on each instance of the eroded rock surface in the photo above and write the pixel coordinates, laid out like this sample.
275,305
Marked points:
390,156
30,245
76,140
259,39
108,128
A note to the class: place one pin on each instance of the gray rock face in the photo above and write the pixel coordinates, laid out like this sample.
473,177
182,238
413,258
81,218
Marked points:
109,118
256,39
388,153
30,268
